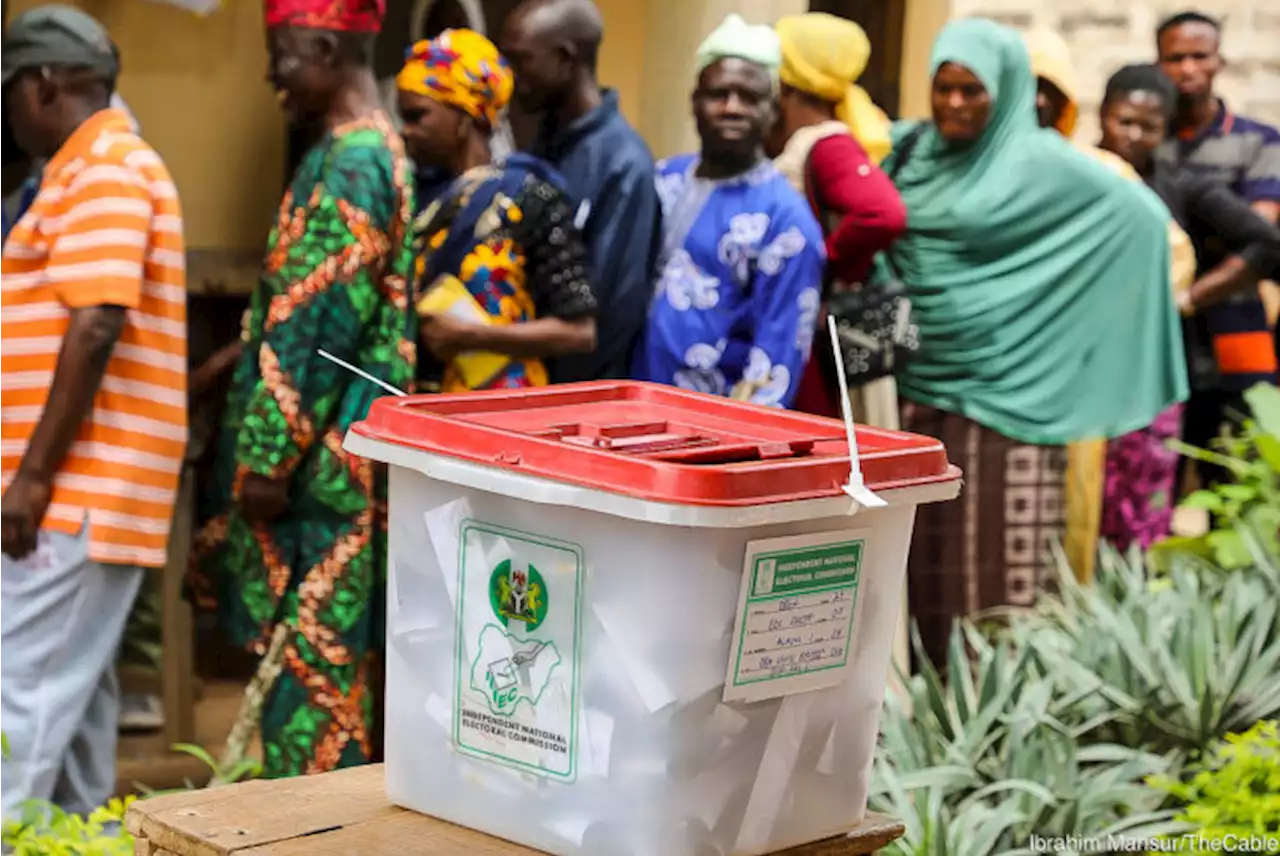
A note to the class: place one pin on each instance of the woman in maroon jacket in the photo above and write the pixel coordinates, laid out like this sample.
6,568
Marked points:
828,139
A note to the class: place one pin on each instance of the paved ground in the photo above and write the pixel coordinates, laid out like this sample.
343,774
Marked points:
145,759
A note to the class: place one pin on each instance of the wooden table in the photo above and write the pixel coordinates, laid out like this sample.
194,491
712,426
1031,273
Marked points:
346,813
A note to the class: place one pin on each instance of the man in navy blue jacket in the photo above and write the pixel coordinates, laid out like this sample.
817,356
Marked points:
552,46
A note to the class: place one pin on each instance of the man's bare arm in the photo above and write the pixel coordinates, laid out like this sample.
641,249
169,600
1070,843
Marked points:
543,337
1268,210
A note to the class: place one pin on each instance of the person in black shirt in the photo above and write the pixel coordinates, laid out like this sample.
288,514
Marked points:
1135,114
1235,247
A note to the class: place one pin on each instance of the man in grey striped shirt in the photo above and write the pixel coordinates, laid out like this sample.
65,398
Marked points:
1209,139
1231,345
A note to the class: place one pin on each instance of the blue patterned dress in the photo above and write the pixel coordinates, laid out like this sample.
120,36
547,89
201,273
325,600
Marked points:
736,302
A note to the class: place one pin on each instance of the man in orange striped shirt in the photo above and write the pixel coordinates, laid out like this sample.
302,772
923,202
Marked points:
92,403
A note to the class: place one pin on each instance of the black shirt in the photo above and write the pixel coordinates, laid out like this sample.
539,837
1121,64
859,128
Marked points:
1219,223
545,245
555,257
610,174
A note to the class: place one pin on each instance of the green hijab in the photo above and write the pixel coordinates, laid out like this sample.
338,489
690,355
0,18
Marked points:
1039,277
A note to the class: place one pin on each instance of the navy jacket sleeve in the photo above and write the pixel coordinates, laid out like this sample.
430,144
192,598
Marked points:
623,233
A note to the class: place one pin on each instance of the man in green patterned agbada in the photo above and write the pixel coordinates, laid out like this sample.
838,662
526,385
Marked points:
294,528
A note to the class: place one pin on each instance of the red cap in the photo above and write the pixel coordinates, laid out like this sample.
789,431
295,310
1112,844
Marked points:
351,16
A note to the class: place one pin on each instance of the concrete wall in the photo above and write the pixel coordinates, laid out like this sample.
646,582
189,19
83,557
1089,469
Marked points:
1106,35
675,28
196,86
924,19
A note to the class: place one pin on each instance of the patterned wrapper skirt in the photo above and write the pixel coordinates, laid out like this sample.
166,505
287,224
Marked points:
1141,483
991,546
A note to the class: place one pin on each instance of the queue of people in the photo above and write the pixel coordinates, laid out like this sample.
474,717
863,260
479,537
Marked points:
1059,300
1192,335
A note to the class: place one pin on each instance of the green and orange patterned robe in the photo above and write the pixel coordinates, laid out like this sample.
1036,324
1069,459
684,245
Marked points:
336,277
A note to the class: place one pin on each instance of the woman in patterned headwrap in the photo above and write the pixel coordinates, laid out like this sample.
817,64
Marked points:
501,277
294,528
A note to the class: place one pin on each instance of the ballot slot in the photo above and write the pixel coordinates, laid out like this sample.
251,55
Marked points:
673,443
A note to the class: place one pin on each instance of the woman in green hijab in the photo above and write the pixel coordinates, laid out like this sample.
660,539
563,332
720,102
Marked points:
1040,283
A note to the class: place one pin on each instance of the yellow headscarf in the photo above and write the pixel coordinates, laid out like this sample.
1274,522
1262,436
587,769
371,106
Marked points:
461,68
1051,60
824,56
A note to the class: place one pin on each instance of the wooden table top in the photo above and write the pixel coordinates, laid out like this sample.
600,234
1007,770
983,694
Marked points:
346,813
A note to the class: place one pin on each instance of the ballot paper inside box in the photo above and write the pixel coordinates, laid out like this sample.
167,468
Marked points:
626,619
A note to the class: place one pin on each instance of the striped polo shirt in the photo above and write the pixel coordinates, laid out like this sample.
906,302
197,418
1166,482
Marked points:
1243,154
104,229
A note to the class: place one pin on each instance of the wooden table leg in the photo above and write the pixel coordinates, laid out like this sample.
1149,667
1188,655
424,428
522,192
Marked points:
176,629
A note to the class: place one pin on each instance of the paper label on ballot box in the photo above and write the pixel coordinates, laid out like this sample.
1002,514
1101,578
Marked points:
517,670
795,615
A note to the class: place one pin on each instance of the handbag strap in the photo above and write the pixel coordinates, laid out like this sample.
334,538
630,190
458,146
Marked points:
904,151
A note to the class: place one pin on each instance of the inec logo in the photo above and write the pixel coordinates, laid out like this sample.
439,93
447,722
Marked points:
518,594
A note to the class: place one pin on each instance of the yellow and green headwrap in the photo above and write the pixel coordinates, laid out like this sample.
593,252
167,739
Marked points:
461,68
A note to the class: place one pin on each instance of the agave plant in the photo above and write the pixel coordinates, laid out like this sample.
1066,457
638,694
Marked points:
991,756
1172,667
1087,788
1059,721
934,827
956,724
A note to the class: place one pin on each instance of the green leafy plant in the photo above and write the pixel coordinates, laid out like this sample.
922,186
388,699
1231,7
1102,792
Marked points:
1236,790
44,829
1171,668
1249,506
228,772
979,763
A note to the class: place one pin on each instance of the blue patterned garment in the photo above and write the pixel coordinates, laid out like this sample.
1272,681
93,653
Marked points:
21,201
736,303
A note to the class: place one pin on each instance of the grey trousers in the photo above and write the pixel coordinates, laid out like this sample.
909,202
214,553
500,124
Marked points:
63,618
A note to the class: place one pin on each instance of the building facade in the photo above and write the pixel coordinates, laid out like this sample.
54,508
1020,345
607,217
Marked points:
1104,36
